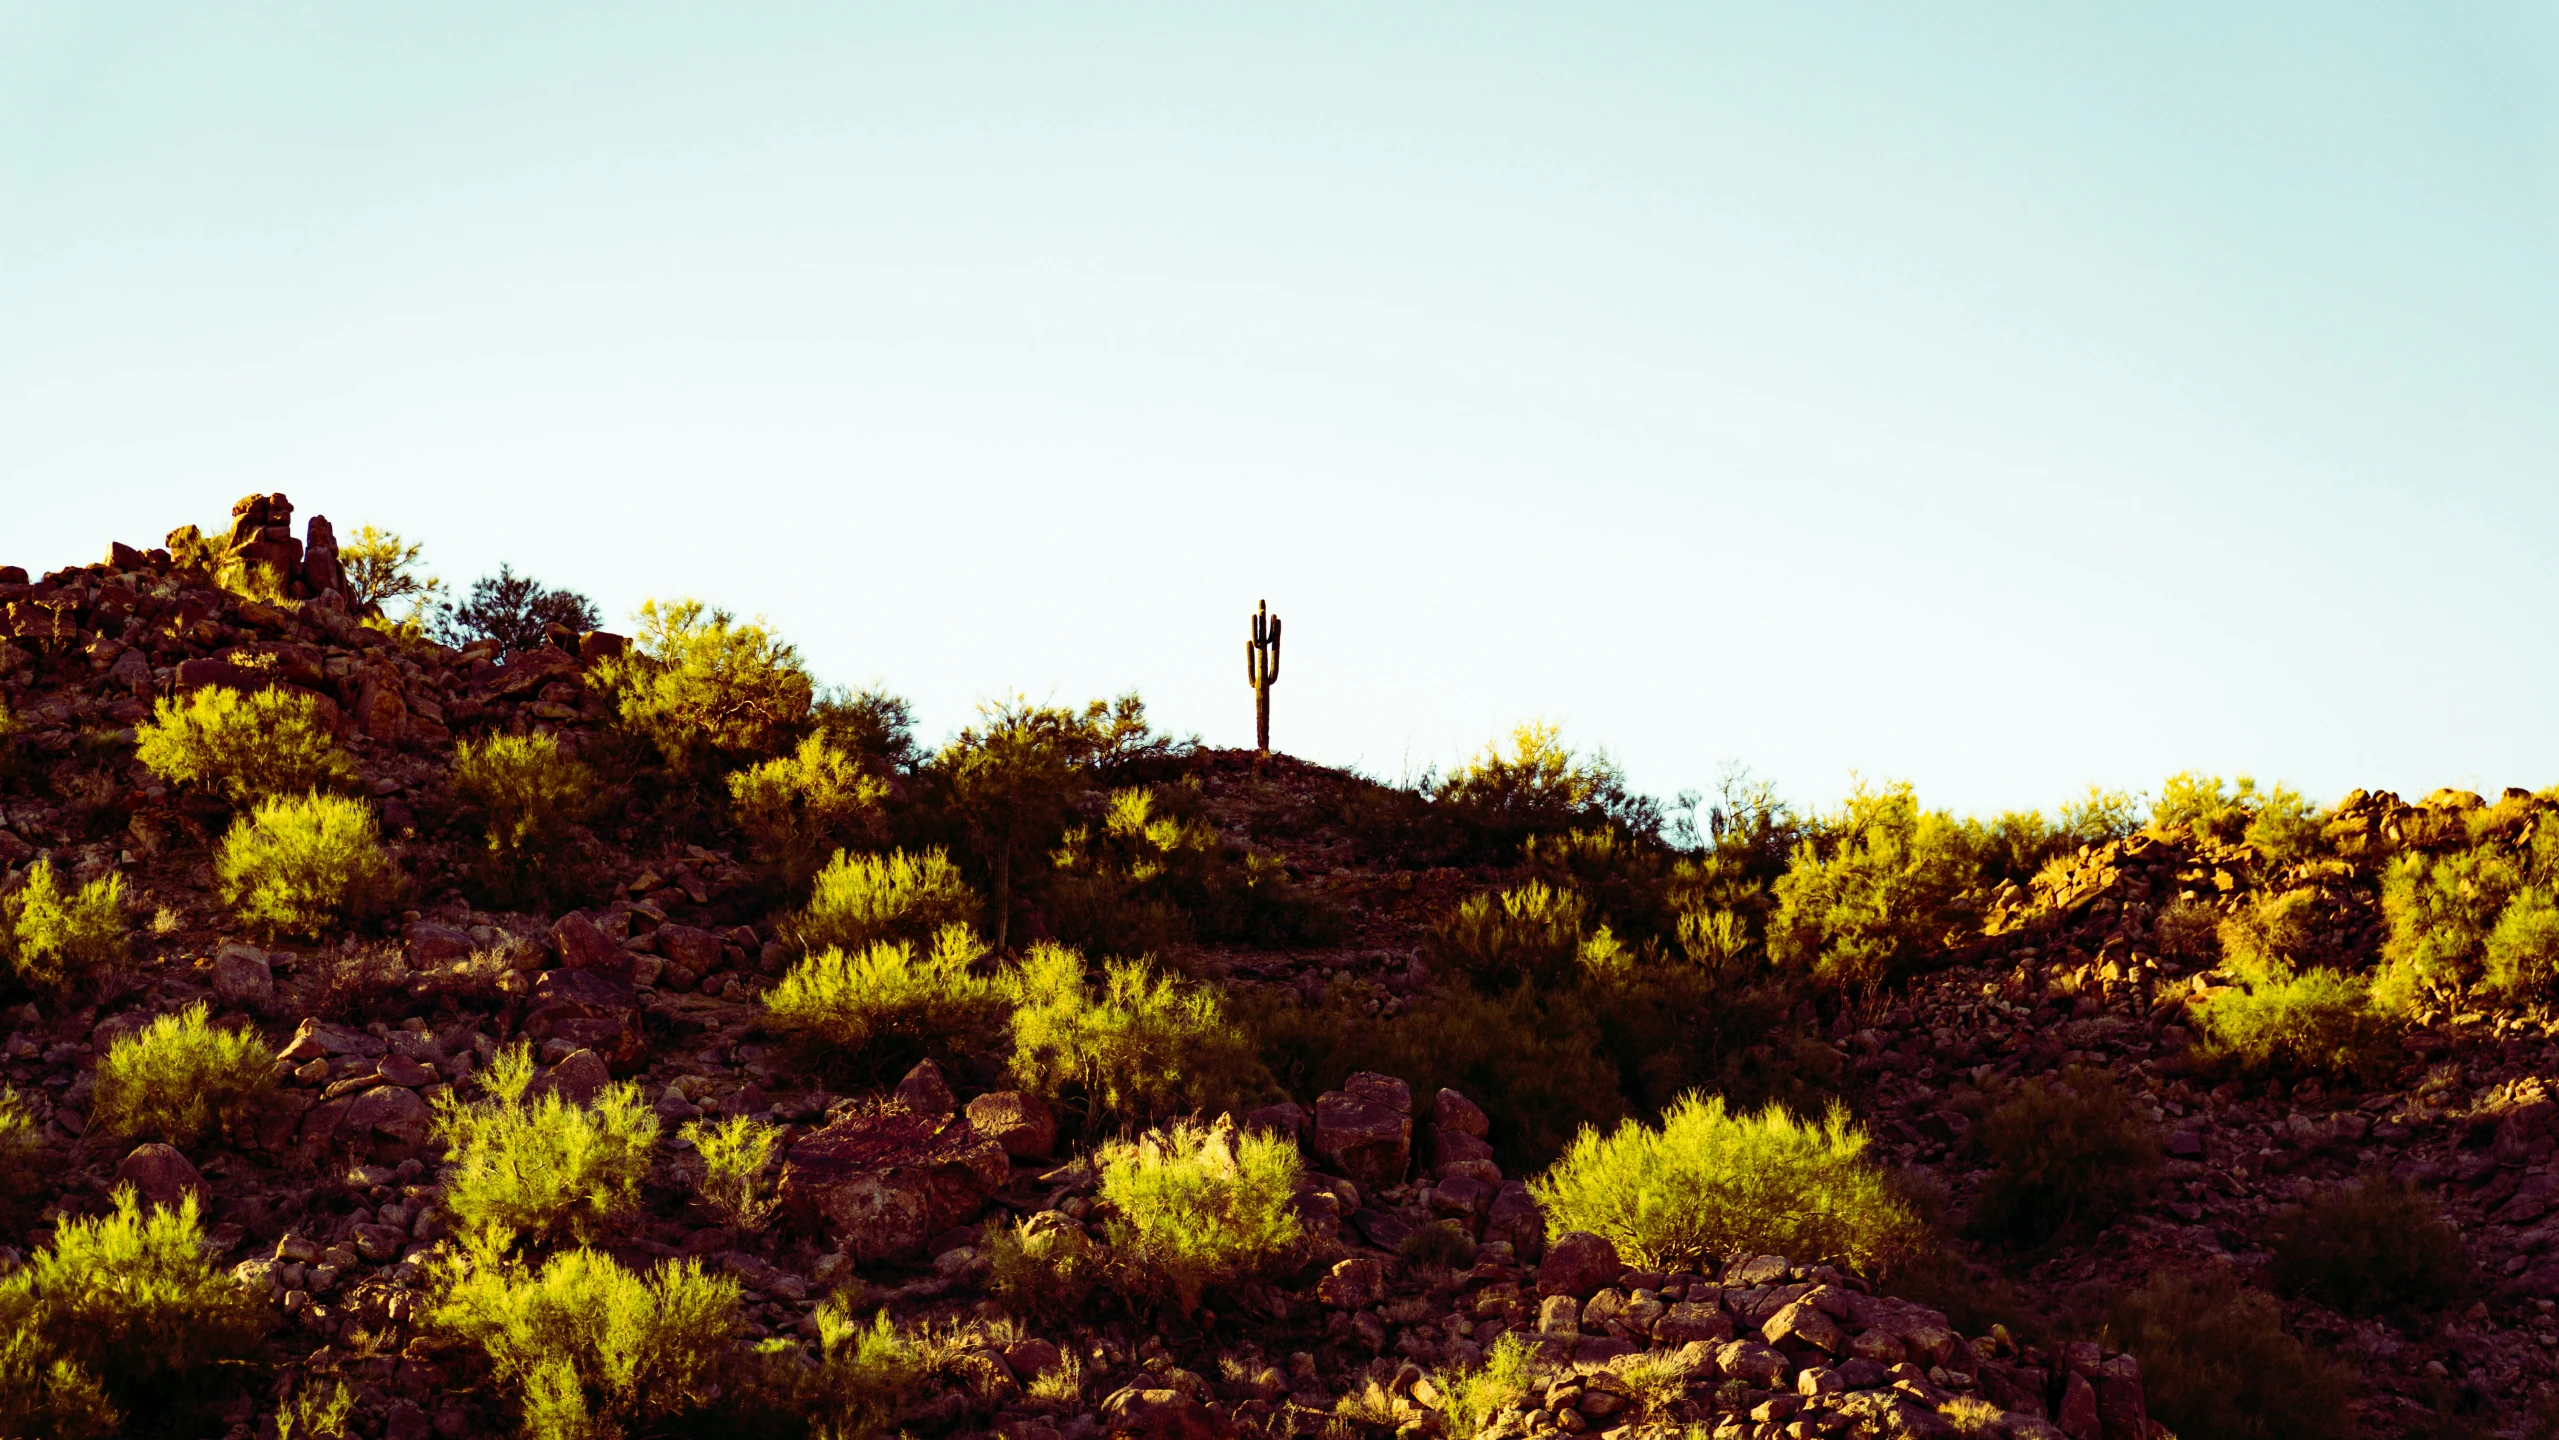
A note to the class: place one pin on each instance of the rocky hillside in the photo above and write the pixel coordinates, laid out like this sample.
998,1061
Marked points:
1419,1250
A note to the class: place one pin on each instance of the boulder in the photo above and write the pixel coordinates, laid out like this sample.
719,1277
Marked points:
1371,1088
2526,1133
1578,1263
1751,1361
923,1090
160,1175
1287,1118
1684,1323
2077,1413
582,946
580,1076
317,1039
690,946
242,976
389,1112
1162,1415
1030,1359
1802,1324
1023,1124
1367,1140
1353,1284
1924,1334
882,1181
1452,1112
432,944
1516,1217
591,1010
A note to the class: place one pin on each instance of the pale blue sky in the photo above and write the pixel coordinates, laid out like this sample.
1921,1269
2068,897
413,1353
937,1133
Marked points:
2001,397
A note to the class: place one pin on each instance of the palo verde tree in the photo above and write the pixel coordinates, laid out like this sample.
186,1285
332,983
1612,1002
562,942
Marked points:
1012,780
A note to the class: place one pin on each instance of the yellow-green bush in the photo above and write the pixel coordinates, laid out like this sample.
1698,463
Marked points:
1139,1048
796,809
58,940
1871,888
879,1009
861,900
2310,1022
539,1170
2522,952
2370,1246
2216,1360
708,689
865,1375
242,747
1530,932
1150,874
1476,1396
2064,1157
528,793
177,1077
313,1414
735,1154
1710,1182
2440,910
1539,785
305,865
120,1312
1194,1206
591,1351
1041,1271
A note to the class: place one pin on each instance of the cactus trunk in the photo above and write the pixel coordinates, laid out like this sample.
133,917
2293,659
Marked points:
1261,671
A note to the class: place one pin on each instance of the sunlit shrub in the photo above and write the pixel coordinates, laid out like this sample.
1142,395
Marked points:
879,1009
2440,910
1540,785
59,940
735,1153
1042,1271
529,792
1709,1182
861,900
2370,1246
1530,932
796,809
304,865
1871,888
126,1303
178,1077
2522,953
2311,1022
589,1349
1474,1397
543,1169
2216,1360
1147,876
314,1414
242,747
2064,1157
1194,1206
1138,1048
708,689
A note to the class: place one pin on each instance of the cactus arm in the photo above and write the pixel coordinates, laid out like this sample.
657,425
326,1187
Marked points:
1270,671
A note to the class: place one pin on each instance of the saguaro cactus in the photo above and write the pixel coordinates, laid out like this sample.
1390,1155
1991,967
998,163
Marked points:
1261,671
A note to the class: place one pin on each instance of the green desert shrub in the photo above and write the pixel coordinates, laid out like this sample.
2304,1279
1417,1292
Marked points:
1193,1206
1532,932
305,865
861,900
314,1414
2371,1246
529,793
1710,1182
797,809
2522,953
735,1154
1871,888
1044,1271
58,940
708,690
879,1009
121,1312
2440,910
1138,1048
1539,785
1146,876
1475,1397
590,1351
2313,1022
866,1374
242,747
2067,1156
538,1170
2216,1360
2204,807
178,1077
